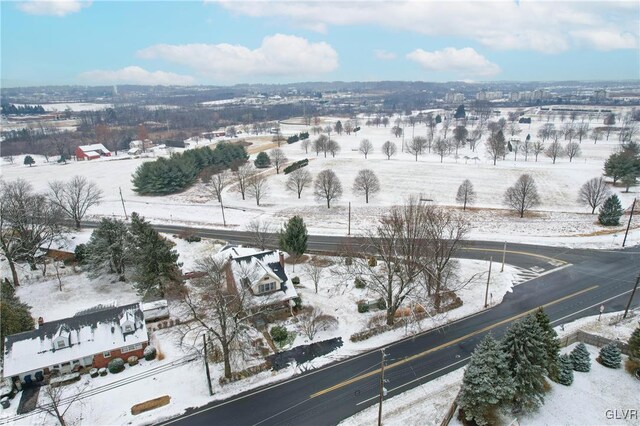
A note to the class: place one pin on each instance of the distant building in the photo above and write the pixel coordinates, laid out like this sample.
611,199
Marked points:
91,152
454,97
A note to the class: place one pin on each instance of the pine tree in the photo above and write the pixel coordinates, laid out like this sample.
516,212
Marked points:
15,316
565,374
610,212
262,160
580,358
107,249
610,356
551,343
526,357
28,160
634,344
155,264
293,238
487,382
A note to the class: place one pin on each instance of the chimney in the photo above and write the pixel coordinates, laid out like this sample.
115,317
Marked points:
281,254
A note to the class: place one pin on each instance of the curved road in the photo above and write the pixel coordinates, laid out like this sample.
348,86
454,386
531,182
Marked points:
572,283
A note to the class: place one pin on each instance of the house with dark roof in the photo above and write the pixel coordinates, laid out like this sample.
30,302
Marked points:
90,338
261,272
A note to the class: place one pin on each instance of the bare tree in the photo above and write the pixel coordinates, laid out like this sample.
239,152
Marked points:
242,174
389,149
305,145
278,158
59,399
366,147
310,321
466,194
594,192
416,146
298,180
554,150
333,147
75,197
314,270
441,147
348,127
496,146
582,131
523,195
257,186
218,308
546,131
327,186
537,148
320,144
216,181
596,134
460,134
572,150
366,183
568,130
262,234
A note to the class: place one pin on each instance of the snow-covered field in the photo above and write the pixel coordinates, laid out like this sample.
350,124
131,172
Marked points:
585,402
560,219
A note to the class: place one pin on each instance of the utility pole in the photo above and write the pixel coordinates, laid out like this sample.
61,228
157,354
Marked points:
224,222
349,229
206,364
486,293
504,255
123,207
633,206
382,390
626,310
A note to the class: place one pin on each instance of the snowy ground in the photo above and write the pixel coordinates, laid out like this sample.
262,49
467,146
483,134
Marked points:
559,220
185,383
585,402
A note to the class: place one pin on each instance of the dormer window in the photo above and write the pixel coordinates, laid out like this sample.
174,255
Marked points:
60,342
128,328
266,288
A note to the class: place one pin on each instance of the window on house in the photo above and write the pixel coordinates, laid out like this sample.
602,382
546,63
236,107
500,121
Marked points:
60,344
76,361
264,288
106,354
131,348
128,328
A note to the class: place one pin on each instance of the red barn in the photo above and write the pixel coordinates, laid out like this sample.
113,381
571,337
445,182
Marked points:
91,152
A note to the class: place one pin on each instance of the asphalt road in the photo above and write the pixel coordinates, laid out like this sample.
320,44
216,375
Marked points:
573,283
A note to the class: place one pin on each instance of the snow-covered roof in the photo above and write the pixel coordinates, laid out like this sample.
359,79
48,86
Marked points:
91,153
90,332
93,147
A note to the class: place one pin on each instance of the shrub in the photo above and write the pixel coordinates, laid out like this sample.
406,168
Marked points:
295,166
102,372
348,261
610,356
565,375
632,365
634,344
193,239
150,353
580,358
295,280
610,212
298,302
279,334
372,261
132,360
381,304
360,283
93,373
116,365
262,161
363,307
80,252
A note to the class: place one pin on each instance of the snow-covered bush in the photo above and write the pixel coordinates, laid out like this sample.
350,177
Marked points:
363,307
150,353
116,365
565,373
359,283
102,371
580,358
610,356
279,334
132,360
93,373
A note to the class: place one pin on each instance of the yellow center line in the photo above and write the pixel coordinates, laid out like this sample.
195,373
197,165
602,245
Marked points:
525,253
444,345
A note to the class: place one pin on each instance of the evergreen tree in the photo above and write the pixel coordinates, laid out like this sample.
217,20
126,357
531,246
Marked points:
15,316
460,113
107,249
580,358
487,382
610,212
610,356
551,343
565,374
526,357
155,264
28,160
634,344
262,160
293,238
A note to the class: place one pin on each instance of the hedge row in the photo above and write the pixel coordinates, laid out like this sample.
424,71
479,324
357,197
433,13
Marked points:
295,166
299,137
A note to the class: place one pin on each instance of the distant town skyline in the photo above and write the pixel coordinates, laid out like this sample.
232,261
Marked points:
58,42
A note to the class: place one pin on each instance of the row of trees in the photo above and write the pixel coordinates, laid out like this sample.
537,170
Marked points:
178,172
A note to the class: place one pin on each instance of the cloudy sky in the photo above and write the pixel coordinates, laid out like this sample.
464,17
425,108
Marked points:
229,42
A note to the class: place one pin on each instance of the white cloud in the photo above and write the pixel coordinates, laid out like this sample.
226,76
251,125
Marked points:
136,75
606,39
465,62
384,55
52,7
278,55
544,26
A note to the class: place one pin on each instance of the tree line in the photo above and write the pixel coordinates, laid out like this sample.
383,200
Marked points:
11,109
